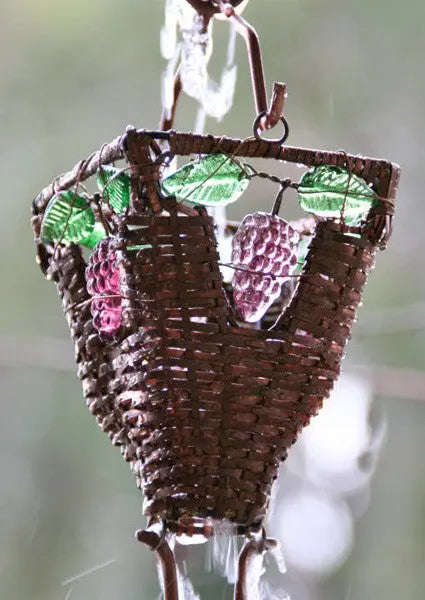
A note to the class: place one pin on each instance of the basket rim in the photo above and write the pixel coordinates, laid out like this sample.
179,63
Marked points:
183,144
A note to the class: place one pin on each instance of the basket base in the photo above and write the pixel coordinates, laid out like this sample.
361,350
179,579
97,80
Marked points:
248,576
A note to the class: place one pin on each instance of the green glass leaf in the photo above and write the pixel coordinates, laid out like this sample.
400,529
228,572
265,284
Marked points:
214,180
95,236
303,246
68,218
115,188
323,191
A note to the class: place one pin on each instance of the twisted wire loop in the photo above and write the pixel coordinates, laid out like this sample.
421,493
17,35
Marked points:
203,409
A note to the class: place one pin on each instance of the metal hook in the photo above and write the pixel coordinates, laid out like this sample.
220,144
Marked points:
211,7
254,53
165,558
267,117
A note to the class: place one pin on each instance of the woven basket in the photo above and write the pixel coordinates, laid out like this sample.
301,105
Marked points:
204,410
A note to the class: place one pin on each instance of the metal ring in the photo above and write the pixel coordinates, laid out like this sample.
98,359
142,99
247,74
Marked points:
256,128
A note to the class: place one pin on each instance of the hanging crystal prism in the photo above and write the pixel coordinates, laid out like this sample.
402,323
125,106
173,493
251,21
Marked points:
193,50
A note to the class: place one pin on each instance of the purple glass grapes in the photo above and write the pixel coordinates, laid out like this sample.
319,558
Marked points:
103,284
266,246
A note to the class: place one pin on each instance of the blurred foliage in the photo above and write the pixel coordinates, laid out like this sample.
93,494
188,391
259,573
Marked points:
73,75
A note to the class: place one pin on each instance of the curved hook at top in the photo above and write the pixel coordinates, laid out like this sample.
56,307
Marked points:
210,8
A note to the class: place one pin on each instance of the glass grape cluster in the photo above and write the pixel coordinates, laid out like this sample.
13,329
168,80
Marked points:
103,284
264,254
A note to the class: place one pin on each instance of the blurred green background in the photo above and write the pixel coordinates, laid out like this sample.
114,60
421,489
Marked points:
73,75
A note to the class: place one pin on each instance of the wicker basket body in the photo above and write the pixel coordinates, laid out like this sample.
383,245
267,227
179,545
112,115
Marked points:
206,409
203,409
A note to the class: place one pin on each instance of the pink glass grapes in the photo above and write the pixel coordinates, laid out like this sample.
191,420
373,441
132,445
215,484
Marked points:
103,284
266,246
